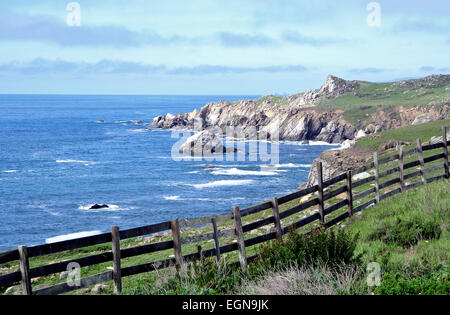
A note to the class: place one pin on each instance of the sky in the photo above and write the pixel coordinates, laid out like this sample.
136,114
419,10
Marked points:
251,47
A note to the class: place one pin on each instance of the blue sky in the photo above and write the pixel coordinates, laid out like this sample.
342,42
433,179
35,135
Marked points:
216,47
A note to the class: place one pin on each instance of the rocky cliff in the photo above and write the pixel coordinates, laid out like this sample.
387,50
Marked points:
309,115
292,117
340,111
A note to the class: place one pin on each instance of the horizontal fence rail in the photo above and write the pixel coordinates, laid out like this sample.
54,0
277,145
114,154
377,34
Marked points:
319,200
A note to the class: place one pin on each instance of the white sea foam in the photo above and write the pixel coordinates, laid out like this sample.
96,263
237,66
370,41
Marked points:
110,208
287,165
172,197
137,130
86,163
221,183
238,172
219,199
193,172
287,142
10,171
71,236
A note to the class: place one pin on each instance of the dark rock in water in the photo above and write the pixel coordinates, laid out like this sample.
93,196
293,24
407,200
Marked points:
305,142
97,206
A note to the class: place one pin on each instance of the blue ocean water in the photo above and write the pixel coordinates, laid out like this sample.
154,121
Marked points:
56,160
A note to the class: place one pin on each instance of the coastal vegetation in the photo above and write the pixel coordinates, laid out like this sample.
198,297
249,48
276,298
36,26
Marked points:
407,235
339,110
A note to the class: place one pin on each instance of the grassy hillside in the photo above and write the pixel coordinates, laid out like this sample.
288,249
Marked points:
373,97
408,235
424,132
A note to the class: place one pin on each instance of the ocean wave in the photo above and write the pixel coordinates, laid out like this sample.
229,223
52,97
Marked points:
238,172
221,183
71,236
172,198
137,130
86,163
311,143
111,208
10,171
193,172
287,165
53,213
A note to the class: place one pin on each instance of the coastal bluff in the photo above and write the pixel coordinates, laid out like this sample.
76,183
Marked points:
323,114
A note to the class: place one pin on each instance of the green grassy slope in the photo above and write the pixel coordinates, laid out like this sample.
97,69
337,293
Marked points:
424,132
372,97
421,210
408,235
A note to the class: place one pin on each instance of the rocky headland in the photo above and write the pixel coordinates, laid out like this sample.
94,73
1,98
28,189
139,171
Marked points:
301,117
340,111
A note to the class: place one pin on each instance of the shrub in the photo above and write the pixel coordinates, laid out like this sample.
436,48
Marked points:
204,277
406,232
318,248
207,273
306,280
395,285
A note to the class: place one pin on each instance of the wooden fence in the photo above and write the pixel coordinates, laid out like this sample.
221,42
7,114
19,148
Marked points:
324,190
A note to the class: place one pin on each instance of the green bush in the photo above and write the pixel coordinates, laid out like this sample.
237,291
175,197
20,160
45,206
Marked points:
406,232
318,248
218,278
396,285
204,277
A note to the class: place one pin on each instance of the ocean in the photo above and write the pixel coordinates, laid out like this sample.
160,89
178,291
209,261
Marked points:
57,159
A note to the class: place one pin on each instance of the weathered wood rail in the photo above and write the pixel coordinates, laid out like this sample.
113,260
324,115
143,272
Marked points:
325,191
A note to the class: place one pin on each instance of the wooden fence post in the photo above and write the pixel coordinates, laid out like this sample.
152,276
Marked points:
400,166
216,239
176,236
199,252
349,193
25,271
422,164
444,139
276,215
377,178
240,238
117,274
320,192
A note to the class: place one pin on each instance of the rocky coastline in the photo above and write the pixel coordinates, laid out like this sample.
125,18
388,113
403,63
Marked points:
300,117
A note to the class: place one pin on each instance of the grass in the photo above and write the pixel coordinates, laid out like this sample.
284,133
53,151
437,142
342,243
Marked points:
407,235
373,97
408,134
414,256
410,229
